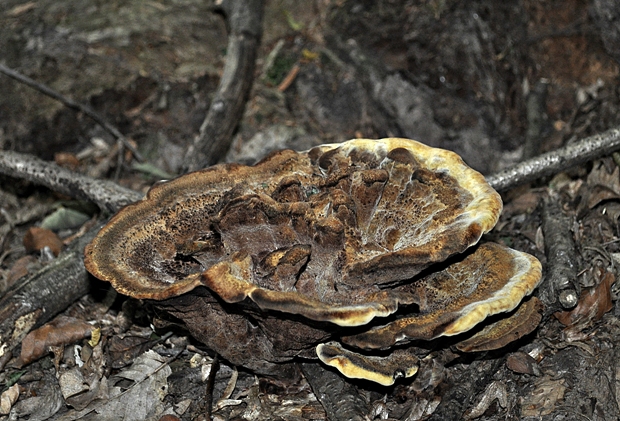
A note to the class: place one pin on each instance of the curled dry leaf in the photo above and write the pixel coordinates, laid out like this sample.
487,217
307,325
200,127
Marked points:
268,262
602,185
61,331
495,391
8,398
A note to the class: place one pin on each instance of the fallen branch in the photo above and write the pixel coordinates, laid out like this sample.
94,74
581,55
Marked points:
216,133
36,298
557,161
109,196
73,105
561,283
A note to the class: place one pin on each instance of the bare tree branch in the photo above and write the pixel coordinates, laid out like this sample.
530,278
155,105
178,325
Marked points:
73,105
109,196
245,21
557,161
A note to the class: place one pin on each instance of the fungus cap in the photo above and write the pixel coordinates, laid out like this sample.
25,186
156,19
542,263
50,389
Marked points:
341,234
292,230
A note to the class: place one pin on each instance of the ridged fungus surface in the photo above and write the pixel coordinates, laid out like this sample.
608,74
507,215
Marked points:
350,249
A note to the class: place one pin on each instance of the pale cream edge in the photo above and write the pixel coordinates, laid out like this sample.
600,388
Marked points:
506,299
485,197
345,366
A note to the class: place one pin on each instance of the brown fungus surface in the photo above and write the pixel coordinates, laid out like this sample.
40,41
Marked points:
482,282
341,235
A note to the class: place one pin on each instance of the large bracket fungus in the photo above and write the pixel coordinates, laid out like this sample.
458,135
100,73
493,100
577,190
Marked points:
353,249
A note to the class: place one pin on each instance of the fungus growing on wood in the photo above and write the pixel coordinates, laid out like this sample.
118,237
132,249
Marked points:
339,236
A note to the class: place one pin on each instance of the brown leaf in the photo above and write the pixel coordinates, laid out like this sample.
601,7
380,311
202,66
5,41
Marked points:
61,331
36,238
593,303
123,351
520,362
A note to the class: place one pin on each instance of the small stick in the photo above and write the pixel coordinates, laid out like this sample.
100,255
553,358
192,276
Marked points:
73,105
289,79
215,366
561,283
557,161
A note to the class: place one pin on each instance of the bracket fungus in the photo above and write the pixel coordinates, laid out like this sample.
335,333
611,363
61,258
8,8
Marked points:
348,252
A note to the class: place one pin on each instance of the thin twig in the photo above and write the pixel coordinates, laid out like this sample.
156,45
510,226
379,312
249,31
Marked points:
557,161
215,366
73,105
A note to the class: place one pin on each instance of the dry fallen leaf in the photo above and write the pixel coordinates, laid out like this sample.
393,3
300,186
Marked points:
602,185
144,400
543,399
36,238
593,304
8,398
61,331
523,363
495,391
20,268
123,350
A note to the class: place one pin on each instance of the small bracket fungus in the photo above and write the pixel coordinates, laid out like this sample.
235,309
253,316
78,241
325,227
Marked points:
323,245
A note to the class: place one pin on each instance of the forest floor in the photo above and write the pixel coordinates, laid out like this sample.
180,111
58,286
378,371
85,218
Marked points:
496,82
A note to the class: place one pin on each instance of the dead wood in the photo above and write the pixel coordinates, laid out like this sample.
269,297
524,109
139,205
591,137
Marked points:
561,284
109,196
215,137
557,161
39,297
